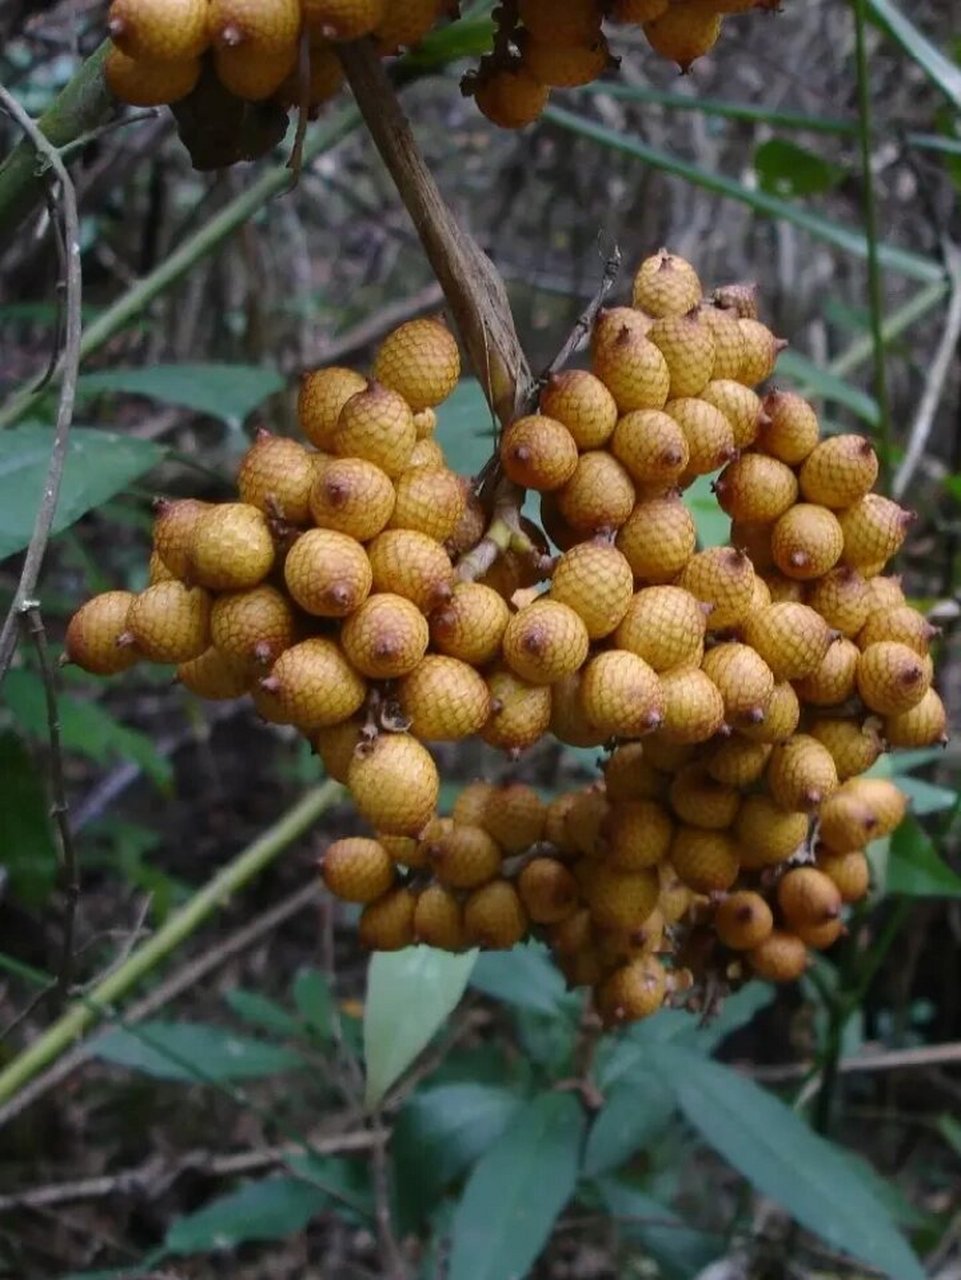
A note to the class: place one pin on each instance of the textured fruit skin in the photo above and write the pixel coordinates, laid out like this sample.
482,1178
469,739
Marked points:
854,746
744,679
806,541
255,625
93,632
801,773
352,496
765,833
420,361
707,861
700,801
252,73
276,475
722,577
215,676
325,79
387,637
598,497
850,873
924,725
743,920
323,393
737,761
760,351
538,452
578,22
231,548
683,33
632,368
873,530
664,626
791,429
548,891
657,539
544,642
621,694
173,531
780,719
728,341
693,706
444,699
376,424
756,488
892,677
471,802
510,97
471,625
791,638
412,565
884,593
270,25
357,869
594,580
664,284
839,471
430,500
312,685
159,30
157,571
494,917
583,404
687,345
628,775
439,919
633,992
584,822
336,745
564,66
739,404
463,856
781,957
807,897
328,573
514,815
905,625
833,680
149,84
861,809
619,899
388,923
842,599
653,447
709,434
637,834
170,622
520,712
395,784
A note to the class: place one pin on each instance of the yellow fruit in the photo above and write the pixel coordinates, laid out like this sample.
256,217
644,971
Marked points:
632,992
903,624
739,404
577,22
430,500
728,341
854,746
821,936
722,577
509,97
253,73
173,531
761,596
631,367
598,497
782,588
801,773
687,345
412,565
564,66
425,424
471,625
548,891
702,801
652,446
861,809
394,783
584,822
873,530
595,580
388,923
352,496
638,11
806,541
376,424
781,957
780,719
545,641
93,639
842,599
709,434
850,872
420,361
470,527
357,869
494,917
582,403
328,573
514,815
833,680
444,699
637,834
892,677
791,638
743,920
311,685
140,83
884,593
215,676
790,429
464,857
406,24
619,899
169,622
270,25
619,946
276,475
760,352
386,638
157,571
766,834
744,679
611,323
323,393
344,19
684,33
520,712
664,626
439,919
621,694
537,452
707,861
231,548
665,284
325,79
629,776
924,725
657,539
253,626
336,745
807,897
756,489
573,934
159,31
693,706
737,761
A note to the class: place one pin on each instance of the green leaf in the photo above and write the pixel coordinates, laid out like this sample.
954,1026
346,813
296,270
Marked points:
950,1131
813,379
259,1011
914,867
713,526
785,169
633,1114
227,391
269,1209
314,1001
524,977
680,1251
27,850
784,1160
409,995
468,38
193,1052
99,464
517,1190
465,428
930,59
926,797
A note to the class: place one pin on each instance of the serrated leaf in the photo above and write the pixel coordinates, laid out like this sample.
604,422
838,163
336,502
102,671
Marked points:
193,1052
27,850
516,1192
227,391
410,993
99,464
785,169
314,1001
680,1251
269,1209
259,1011
524,977
915,869
771,1146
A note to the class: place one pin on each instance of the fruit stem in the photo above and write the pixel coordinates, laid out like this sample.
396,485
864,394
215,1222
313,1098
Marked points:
504,531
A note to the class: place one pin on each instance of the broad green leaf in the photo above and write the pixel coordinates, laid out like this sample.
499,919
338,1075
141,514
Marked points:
314,1001
99,464
517,1190
915,868
261,1012
410,993
27,850
771,1146
926,797
524,977
634,1113
193,1052
713,526
945,74
465,428
785,169
680,1251
227,391
343,1180
815,380
268,1209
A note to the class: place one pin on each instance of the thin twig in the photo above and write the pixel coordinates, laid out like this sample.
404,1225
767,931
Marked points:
936,377
68,388
585,321
883,1060
392,1259
381,322
69,865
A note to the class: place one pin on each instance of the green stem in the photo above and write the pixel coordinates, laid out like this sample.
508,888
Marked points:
214,895
898,322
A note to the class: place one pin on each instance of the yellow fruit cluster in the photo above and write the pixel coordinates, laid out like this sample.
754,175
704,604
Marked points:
741,690
159,45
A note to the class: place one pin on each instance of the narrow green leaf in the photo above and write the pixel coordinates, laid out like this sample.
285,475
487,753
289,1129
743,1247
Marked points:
783,1159
314,1001
926,797
193,1052
27,851
524,977
227,391
99,464
261,1012
517,1190
410,993
915,868
269,1209
785,169
680,1251
816,380
945,74
950,1131
632,1116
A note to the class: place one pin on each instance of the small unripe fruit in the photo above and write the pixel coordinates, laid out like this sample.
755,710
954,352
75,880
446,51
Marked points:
538,452
255,625
740,406
510,97
520,712
801,773
756,489
328,573
628,775
781,957
548,891
352,496
494,917
702,801
744,679
808,897
924,725
791,638
598,497
514,815
905,625
767,835
430,500
336,745
861,809
444,699
253,73
439,919
376,424
833,680
633,992
664,626
344,19
637,834
728,341
94,632
565,66
269,25
657,539
158,31
892,677
707,861
420,361
687,345
173,531
854,746
583,404
595,580
780,718
873,529
842,599
806,541
394,783
387,637
312,686
471,625
652,446
693,706
215,676
231,548
850,873
683,33
357,869
724,578
737,761
545,641
412,565
170,622
578,22
619,899
790,429
276,475
621,694
464,857
632,368
388,923
141,83
743,920
323,393
761,350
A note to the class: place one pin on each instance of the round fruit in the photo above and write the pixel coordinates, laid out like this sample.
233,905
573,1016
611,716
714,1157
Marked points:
471,625
215,676
583,404
842,599
255,625
924,725
652,446
323,393
253,73
394,783
150,84
463,856
376,424
781,957
743,920
839,471
548,891
807,897
722,577
683,33
412,565
702,801
420,361
873,529
806,541
336,745
687,345
276,475
94,633
494,917
598,497
444,699
737,761
311,685
595,580
357,869
538,452
791,638
756,489
740,406
904,624
387,637
766,834
520,712
892,677
854,746
388,923
578,22
664,626
744,679
159,31
509,97
728,341
352,496
328,573
564,66
269,25
231,548
514,815
707,861
633,992
657,539
833,681
850,872
545,641
170,622
173,531
637,834
430,500
621,695
664,284
801,773
709,434
760,351
693,706
619,899
790,429
632,368
439,919
861,809
780,718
